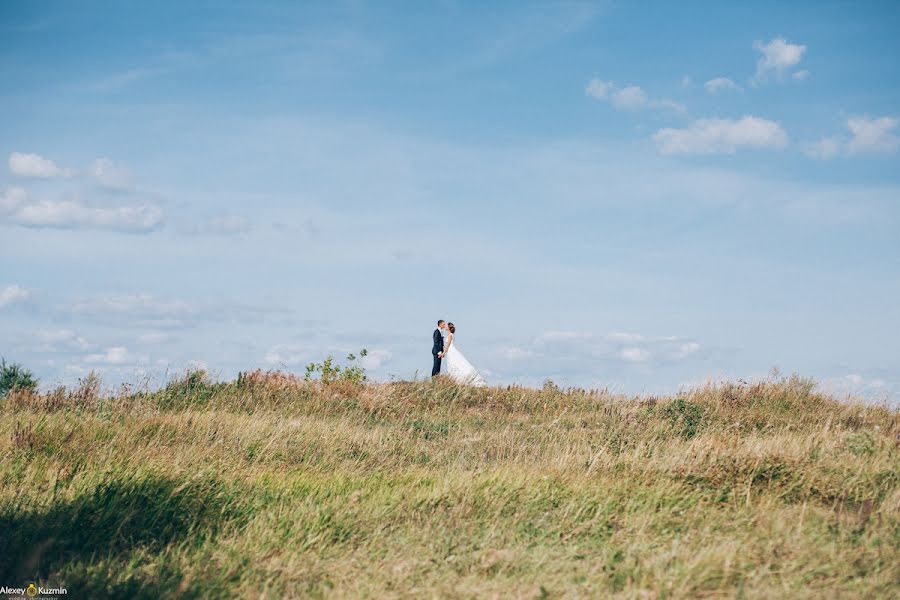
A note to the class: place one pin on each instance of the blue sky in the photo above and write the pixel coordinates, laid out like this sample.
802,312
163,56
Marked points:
634,195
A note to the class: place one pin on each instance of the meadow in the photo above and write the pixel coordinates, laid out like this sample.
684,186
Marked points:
274,487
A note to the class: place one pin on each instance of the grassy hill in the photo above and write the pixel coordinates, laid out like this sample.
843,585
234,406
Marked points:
272,487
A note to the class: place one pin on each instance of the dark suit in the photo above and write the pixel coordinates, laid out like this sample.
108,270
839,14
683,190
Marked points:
435,349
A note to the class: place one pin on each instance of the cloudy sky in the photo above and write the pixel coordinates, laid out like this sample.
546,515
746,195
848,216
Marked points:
633,195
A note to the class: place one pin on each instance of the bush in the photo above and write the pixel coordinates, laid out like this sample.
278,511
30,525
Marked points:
330,372
194,388
15,376
686,415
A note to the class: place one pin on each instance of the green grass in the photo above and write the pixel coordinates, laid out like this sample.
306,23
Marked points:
284,488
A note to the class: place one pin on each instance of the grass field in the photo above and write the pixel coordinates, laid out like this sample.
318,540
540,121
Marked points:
269,488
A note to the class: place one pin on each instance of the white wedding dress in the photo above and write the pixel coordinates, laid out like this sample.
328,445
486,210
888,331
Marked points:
456,367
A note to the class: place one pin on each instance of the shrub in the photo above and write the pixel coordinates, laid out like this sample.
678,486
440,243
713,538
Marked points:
330,372
861,443
686,415
194,388
15,377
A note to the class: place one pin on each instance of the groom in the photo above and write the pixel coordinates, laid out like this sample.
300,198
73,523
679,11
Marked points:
437,350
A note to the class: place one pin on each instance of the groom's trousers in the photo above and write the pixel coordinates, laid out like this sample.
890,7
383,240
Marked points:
437,365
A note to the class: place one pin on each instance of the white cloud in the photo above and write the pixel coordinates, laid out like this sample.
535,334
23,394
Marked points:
721,84
855,384
872,136
868,136
12,199
36,166
598,89
17,208
634,354
612,347
640,349
687,82
631,97
721,136
70,214
625,337
116,355
288,354
514,353
801,75
375,358
778,56
825,148
686,349
56,340
111,175
12,294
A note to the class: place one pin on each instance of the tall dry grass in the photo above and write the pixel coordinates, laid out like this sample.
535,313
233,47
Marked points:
270,485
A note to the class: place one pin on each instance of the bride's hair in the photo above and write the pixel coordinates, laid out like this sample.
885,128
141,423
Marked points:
451,327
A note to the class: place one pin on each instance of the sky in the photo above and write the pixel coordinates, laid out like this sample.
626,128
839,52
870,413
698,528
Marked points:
634,196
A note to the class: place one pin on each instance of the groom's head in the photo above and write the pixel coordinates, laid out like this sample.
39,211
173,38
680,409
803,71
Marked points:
441,324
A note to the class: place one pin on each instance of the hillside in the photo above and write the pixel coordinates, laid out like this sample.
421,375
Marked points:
272,487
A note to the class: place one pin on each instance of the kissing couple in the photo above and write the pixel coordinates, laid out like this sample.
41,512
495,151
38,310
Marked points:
448,360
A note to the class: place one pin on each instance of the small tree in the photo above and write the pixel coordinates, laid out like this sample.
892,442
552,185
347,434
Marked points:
14,376
331,372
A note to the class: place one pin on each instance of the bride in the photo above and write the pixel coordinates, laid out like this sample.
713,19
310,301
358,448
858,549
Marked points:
454,364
